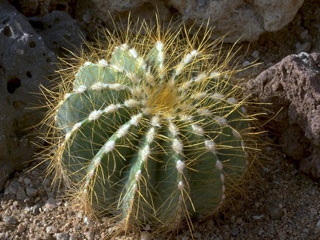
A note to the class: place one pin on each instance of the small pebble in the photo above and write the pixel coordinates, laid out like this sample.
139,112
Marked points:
86,220
255,54
270,229
62,236
21,194
4,226
89,235
258,217
197,235
239,221
50,204
86,17
12,188
275,212
51,229
246,63
261,231
46,183
26,181
79,215
21,228
317,228
234,231
36,209
147,227
73,236
20,179
145,236
31,192
10,219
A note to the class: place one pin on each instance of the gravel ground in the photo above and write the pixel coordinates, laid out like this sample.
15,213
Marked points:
281,204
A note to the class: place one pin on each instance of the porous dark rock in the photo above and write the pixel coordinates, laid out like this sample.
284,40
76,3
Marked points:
293,88
25,63
59,31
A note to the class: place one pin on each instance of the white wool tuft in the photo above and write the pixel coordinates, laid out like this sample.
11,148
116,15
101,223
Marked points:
94,115
110,145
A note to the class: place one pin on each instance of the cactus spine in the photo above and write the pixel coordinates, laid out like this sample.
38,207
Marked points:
153,132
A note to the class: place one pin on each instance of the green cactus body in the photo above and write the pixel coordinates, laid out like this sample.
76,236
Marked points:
150,140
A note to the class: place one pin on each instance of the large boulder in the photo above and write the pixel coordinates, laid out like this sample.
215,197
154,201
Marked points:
25,63
293,88
237,18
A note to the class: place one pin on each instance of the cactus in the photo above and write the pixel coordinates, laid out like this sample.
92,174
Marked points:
155,131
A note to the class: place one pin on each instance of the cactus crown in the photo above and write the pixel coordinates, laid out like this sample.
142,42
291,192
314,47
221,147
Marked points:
150,128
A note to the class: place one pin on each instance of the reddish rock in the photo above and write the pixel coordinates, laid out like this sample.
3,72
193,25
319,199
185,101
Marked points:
294,85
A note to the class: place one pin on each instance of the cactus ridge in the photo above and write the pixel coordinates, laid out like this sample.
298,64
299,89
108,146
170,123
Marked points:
153,133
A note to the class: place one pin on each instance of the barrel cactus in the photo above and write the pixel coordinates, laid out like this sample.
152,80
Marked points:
150,128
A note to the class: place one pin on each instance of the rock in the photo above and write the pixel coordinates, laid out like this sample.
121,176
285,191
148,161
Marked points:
293,85
25,62
51,229
197,235
255,54
317,227
26,181
258,217
73,236
270,229
35,209
237,18
10,220
21,194
31,192
12,188
4,235
58,30
62,236
239,221
246,63
50,204
21,228
234,231
89,235
275,212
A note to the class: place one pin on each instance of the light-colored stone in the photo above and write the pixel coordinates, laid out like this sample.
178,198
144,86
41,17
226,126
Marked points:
276,14
239,19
